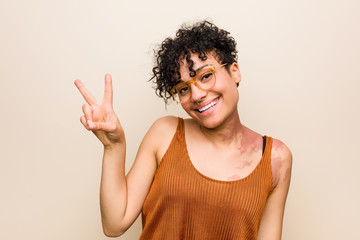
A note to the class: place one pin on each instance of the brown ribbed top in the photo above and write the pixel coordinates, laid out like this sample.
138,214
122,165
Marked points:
184,204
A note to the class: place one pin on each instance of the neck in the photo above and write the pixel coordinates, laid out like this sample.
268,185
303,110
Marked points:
230,132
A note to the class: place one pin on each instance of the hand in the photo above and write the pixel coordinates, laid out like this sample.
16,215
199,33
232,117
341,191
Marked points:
101,118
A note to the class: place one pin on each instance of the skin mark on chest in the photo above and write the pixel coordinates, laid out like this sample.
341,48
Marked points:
245,150
249,153
234,177
245,163
249,157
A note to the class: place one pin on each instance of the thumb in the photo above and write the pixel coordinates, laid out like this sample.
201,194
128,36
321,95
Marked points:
101,126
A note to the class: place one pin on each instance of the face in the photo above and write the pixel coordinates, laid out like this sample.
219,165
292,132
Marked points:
213,107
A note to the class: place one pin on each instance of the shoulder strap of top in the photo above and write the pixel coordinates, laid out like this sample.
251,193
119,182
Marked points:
180,131
180,127
175,144
264,143
268,145
267,156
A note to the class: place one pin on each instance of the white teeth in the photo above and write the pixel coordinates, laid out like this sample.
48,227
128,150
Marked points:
207,106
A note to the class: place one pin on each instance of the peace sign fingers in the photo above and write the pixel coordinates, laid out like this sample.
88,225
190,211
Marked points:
89,98
100,118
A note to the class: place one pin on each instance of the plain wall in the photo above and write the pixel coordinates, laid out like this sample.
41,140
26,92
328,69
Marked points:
300,63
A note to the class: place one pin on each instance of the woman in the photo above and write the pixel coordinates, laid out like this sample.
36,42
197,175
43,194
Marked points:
206,177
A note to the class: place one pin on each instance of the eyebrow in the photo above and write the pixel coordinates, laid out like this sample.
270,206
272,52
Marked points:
198,69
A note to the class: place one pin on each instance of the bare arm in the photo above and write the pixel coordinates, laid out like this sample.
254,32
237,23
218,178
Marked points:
121,197
271,223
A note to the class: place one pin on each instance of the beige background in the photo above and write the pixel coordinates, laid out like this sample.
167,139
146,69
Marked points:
300,62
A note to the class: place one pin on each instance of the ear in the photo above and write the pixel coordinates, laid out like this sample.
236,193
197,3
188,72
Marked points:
235,72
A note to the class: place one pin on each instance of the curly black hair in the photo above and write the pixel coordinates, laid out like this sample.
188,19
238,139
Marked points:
201,38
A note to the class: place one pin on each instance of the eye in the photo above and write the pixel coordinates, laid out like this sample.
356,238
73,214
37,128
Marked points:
182,90
205,76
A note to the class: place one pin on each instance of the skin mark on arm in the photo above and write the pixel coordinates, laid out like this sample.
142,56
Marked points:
280,159
276,160
276,165
287,174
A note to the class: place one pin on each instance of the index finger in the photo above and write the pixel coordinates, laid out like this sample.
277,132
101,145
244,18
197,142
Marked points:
89,98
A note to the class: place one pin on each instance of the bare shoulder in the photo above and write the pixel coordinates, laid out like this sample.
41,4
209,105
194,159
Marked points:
161,133
166,121
164,127
281,162
279,148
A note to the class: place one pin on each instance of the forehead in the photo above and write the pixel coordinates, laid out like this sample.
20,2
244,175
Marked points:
198,62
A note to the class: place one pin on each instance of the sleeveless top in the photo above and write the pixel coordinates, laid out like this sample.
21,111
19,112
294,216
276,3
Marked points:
182,203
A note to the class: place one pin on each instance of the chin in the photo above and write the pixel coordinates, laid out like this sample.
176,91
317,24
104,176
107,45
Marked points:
209,123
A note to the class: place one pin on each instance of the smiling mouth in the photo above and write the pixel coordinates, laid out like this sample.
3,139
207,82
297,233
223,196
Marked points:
207,107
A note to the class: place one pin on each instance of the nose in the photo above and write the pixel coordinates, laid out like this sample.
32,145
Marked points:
197,94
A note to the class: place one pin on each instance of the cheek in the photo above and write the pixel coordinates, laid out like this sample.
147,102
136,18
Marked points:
229,91
236,95
186,107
